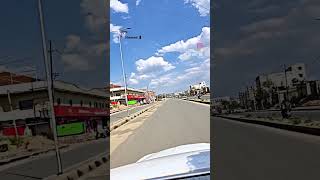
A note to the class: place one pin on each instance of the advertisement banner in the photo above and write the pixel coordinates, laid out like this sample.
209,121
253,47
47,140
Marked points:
70,129
132,102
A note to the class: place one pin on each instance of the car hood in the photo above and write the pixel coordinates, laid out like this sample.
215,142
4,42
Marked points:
185,159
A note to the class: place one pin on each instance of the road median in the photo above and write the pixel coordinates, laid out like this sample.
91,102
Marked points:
297,125
81,169
123,121
199,101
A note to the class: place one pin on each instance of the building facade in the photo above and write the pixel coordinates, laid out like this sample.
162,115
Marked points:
73,105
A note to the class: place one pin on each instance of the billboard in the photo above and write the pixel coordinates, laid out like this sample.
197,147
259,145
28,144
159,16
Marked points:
132,102
70,129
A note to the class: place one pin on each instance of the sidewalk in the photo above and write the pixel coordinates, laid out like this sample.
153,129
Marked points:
41,145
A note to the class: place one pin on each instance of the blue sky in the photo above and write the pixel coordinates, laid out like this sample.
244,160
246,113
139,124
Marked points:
77,29
167,57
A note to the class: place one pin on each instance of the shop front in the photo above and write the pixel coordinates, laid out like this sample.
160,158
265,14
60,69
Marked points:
134,99
79,120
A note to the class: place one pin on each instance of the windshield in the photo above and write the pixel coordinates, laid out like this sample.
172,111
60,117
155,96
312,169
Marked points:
161,48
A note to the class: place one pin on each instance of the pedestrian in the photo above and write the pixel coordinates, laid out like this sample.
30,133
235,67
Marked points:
288,108
283,109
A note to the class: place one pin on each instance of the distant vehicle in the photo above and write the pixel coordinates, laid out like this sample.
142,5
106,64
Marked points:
185,161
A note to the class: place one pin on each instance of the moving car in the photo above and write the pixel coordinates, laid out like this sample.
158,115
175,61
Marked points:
191,161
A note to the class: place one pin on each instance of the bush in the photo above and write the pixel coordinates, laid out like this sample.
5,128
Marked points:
296,121
307,121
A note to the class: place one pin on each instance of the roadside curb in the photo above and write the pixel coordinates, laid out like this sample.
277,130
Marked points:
122,110
199,101
127,119
301,129
82,169
278,110
13,159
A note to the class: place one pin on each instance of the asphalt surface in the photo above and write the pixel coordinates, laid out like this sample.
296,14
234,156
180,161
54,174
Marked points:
176,122
245,151
304,114
45,165
119,115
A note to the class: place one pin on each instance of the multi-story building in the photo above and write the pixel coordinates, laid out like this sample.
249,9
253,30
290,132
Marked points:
117,94
200,88
28,104
7,78
275,87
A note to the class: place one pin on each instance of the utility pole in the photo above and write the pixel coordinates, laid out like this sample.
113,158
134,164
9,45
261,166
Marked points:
123,71
49,86
11,109
51,67
285,75
248,96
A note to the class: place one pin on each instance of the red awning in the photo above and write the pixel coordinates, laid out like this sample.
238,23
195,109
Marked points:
64,111
135,97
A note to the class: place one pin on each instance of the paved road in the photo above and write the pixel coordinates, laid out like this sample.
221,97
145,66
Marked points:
305,114
119,115
45,165
176,122
246,151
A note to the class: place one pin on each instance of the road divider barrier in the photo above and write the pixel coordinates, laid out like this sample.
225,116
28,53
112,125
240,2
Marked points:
123,121
82,169
199,101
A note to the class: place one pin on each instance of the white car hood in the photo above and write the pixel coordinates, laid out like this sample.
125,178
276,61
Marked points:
178,160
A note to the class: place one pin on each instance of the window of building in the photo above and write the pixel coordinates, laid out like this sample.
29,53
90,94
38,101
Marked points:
70,102
26,104
301,75
58,101
299,68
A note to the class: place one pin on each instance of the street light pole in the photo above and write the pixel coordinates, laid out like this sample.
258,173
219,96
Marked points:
14,121
123,72
49,86
285,76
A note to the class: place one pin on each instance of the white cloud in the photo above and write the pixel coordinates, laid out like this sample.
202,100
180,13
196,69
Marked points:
75,61
189,48
115,30
138,2
156,69
203,6
78,54
118,6
163,80
73,41
153,64
95,14
133,81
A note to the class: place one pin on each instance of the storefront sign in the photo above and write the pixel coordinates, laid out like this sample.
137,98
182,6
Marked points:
68,111
70,129
135,97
